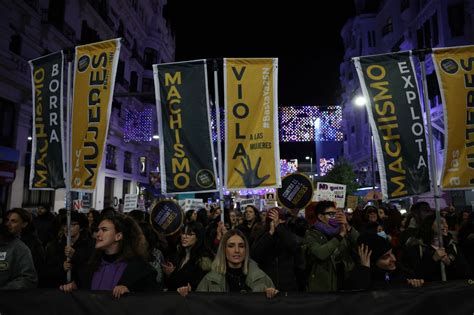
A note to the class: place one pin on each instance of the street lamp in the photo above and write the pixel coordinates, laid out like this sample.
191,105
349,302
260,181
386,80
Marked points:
360,101
317,126
310,158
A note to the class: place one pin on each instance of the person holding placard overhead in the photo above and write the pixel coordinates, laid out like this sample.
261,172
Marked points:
331,241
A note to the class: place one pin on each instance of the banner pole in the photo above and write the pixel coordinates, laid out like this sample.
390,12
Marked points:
219,147
68,154
434,174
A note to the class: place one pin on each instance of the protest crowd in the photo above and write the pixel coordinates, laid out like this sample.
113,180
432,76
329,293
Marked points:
374,247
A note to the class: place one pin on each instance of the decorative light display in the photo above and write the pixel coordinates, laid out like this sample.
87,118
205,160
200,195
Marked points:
286,167
253,192
325,165
297,123
214,124
138,125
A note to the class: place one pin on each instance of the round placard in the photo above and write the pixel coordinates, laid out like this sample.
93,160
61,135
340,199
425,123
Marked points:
166,216
296,191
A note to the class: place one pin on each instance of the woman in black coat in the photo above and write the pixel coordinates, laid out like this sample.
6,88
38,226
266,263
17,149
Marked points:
424,259
279,253
119,261
193,259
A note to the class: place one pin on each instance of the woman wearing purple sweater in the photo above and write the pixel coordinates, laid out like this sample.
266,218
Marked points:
119,261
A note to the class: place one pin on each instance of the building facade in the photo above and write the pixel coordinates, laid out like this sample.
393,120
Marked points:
33,28
390,26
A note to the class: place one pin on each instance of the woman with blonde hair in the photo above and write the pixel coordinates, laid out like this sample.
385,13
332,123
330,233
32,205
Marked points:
233,270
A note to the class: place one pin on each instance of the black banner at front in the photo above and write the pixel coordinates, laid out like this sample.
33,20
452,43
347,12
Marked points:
389,84
451,297
187,159
47,171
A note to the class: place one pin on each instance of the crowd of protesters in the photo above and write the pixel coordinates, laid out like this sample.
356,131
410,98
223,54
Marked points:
374,247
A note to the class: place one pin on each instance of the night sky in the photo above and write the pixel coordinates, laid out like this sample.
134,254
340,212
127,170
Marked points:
309,49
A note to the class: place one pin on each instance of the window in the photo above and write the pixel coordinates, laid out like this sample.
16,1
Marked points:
121,30
109,192
371,38
88,35
427,35
388,27
15,44
127,162
434,30
125,188
110,157
405,4
433,88
456,19
120,71
56,13
133,81
7,123
150,57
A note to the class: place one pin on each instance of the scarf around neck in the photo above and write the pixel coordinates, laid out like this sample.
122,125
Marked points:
109,273
326,229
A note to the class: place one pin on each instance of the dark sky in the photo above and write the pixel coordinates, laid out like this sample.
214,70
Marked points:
309,49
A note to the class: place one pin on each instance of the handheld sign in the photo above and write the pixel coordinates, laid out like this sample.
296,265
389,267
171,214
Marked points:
130,202
331,192
296,191
166,217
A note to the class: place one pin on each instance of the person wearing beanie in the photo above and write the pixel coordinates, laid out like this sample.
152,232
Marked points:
330,242
378,268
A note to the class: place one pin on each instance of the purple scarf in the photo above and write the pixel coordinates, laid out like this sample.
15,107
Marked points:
108,275
326,229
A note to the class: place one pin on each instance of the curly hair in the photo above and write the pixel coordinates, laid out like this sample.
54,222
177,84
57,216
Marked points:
26,217
133,244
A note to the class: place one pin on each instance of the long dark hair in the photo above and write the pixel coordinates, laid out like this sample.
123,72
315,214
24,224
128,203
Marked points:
132,245
198,250
426,233
257,215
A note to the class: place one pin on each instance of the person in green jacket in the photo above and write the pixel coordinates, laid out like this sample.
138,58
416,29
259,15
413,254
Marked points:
330,243
233,270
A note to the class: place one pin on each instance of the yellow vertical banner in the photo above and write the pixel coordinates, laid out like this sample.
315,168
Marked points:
251,111
455,72
94,79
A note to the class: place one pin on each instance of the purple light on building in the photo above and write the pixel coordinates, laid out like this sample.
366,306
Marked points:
138,125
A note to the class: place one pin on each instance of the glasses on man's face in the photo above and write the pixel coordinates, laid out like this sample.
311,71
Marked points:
330,214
